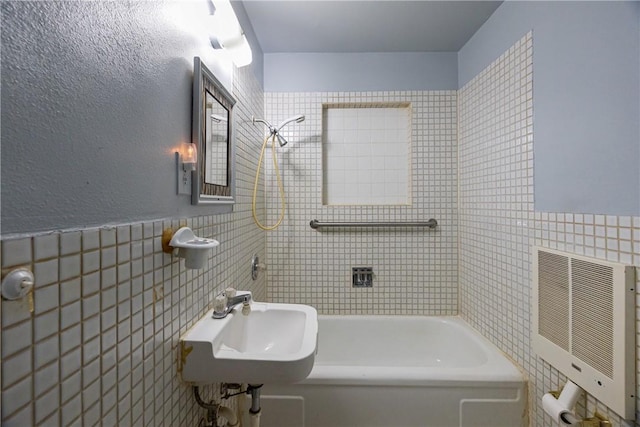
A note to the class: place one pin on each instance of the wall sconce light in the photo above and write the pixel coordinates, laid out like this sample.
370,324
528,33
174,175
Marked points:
189,157
227,34
186,161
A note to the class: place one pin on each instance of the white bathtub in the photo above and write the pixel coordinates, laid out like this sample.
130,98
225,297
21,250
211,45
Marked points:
400,371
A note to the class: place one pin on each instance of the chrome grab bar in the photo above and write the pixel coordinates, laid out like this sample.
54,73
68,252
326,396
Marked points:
315,224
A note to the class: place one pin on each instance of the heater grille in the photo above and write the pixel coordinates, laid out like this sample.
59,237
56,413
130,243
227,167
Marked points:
553,303
592,314
584,323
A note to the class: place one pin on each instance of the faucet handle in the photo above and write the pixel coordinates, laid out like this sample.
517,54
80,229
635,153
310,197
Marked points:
230,292
246,308
220,304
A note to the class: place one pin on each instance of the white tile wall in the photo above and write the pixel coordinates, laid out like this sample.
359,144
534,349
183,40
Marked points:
366,155
415,270
110,306
498,223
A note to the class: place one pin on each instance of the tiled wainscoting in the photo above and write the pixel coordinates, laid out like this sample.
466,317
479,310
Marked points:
109,309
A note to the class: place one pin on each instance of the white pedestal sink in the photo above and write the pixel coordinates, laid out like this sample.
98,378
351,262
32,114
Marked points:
273,344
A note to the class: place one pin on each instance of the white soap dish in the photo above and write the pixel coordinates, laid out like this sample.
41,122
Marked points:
185,244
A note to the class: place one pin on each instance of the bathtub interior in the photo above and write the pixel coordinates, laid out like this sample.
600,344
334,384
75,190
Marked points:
397,340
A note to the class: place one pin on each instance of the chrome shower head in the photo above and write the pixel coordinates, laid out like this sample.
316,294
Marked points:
281,140
273,131
297,119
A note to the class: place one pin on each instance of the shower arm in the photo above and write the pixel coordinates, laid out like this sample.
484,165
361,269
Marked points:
272,130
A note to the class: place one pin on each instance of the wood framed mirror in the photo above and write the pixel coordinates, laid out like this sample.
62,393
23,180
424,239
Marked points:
212,132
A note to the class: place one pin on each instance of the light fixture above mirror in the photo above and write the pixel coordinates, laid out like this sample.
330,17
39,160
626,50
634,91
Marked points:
226,33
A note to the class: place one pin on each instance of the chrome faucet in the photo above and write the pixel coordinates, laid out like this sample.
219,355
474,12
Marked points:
224,304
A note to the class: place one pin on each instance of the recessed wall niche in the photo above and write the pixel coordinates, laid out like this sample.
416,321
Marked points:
366,150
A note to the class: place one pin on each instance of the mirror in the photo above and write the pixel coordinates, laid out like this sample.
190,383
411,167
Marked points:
216,169
212,181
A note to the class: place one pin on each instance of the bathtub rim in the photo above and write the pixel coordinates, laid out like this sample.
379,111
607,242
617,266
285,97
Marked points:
498,371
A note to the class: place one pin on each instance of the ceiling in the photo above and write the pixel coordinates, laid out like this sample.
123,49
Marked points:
366,25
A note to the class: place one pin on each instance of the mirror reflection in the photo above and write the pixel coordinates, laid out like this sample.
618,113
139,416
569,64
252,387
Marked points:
216,169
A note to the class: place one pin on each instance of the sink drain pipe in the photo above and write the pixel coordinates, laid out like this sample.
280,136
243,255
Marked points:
214,411
255,409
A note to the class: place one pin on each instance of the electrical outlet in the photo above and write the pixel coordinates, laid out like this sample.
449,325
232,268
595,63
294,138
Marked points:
184,182
183,177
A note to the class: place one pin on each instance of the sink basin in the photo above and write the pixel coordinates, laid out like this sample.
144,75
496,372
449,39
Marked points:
273,344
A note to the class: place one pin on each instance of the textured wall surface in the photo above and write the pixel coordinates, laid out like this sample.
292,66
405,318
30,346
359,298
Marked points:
96,96
498,224
415,270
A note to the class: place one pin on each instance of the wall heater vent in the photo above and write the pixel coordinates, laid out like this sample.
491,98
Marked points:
583,323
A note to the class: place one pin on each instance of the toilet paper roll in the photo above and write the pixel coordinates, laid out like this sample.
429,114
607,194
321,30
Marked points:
561,409
560,413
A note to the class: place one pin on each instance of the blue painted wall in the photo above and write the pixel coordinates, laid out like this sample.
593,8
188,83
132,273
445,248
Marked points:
586,61
320,72
586,92
96,98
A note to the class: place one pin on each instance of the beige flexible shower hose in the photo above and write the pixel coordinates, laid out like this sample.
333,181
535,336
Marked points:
278,178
